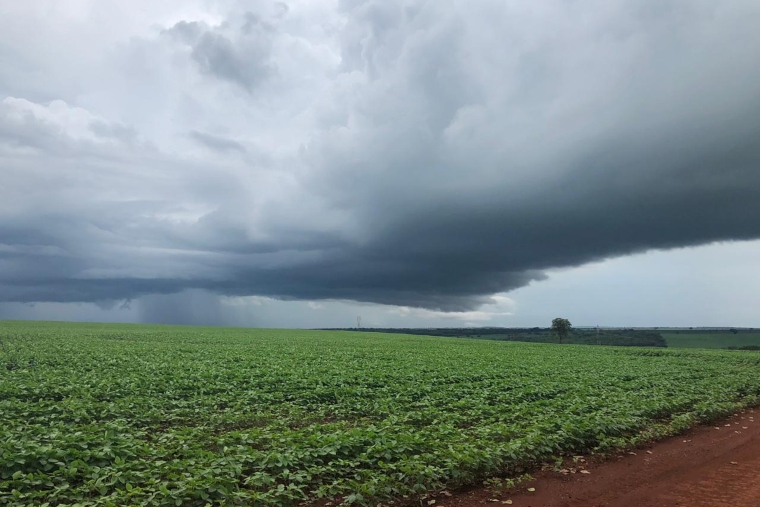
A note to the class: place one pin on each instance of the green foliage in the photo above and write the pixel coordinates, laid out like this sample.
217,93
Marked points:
15,351
713,339
118,415
614,337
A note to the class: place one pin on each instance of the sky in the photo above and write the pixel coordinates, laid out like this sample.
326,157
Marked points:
413,163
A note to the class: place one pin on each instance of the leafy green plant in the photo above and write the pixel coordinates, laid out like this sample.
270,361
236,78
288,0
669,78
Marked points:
152,415
15,352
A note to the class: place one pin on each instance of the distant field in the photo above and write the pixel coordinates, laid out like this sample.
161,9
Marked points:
115,415
613,337
712,340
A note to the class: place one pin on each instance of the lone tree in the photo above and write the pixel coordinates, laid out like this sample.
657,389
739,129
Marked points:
561,327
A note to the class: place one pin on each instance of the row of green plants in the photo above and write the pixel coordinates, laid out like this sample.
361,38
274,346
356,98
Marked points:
116,415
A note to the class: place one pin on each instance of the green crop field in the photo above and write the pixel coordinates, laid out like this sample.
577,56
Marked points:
121,415
718,340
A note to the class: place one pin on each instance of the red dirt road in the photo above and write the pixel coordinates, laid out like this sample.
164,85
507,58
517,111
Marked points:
703,467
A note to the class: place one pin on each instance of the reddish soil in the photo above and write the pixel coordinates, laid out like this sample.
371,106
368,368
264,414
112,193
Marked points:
715,466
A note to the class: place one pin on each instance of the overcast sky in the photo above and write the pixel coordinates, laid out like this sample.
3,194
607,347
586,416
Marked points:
418,163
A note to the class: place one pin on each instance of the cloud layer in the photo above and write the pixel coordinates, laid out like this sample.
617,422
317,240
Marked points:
421,154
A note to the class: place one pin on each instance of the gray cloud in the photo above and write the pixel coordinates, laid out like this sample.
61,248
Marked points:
112,130
417,154
217,143
238,52
192,307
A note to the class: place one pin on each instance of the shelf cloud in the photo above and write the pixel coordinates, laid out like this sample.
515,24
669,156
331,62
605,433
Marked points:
420,154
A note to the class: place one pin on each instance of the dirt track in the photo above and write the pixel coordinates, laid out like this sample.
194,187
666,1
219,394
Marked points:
703,467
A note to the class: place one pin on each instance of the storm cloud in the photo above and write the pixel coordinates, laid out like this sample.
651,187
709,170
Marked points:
422,154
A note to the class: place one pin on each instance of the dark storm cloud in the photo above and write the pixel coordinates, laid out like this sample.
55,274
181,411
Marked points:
450,154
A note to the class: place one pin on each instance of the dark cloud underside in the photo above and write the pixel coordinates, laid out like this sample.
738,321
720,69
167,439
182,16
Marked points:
411,153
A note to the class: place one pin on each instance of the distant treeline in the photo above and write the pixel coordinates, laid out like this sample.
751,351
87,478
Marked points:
697,330
617,337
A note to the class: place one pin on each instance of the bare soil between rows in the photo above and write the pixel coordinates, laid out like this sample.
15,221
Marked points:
715,466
